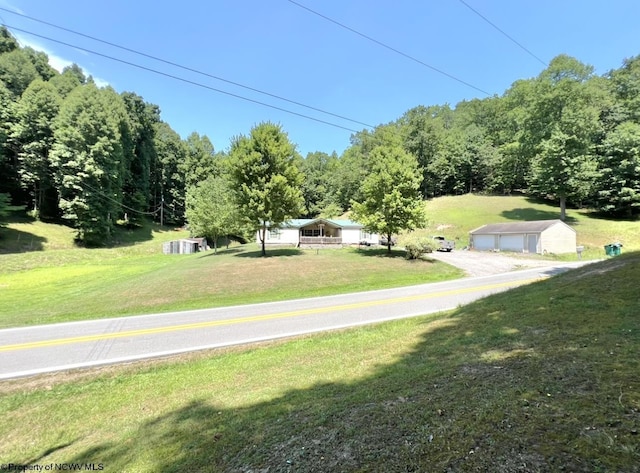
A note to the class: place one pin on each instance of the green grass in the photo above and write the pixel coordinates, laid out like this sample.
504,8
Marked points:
541,378
89,284
44,278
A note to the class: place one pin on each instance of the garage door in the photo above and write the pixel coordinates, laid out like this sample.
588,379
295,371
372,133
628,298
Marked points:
511,242
484,242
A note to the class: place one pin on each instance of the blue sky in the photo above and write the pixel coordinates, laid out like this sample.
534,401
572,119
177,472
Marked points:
280,48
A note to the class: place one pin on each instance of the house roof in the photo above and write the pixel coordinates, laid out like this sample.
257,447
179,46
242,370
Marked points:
303,222
534,226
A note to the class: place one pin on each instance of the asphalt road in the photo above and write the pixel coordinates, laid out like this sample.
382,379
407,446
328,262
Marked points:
47,348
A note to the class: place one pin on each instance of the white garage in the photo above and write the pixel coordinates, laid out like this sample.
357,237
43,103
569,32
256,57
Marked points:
539,236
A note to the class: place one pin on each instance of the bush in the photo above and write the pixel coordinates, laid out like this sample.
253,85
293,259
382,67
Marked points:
415,249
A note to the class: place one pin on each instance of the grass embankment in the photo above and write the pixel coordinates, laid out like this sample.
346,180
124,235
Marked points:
63,283
542,378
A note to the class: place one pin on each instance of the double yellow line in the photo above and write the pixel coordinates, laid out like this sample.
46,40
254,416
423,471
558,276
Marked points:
255,318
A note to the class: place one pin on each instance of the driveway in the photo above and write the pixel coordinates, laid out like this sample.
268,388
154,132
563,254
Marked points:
486,263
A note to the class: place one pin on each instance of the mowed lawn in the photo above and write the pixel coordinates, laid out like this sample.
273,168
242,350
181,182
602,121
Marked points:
542,378
44,278
64,284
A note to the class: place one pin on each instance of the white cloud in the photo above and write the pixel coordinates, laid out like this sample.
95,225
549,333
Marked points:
55,61
8,6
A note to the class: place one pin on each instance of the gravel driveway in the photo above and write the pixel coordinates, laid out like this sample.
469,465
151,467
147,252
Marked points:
485,263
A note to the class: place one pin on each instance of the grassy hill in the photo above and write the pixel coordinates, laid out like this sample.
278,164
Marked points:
543,378
456,216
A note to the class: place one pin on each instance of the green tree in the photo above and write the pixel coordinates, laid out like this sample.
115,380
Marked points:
391,194
625,85
32,135
6,103
9,165
4,204
351,169
17,71
265,171
562,129
7,42
446,172
88,160
169,173
354,164
211,209
425,131
40,61
140,154
562,171
71,77
201,161
619,172
319,187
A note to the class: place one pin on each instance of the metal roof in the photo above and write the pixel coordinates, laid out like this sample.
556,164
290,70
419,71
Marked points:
534,226
303,222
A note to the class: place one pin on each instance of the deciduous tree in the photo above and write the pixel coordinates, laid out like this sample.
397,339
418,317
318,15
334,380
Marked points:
265,171
391,194
169,174
88,160
32,135
619,172
211,209
562,128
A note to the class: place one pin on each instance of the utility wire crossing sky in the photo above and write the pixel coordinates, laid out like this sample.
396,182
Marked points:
321,71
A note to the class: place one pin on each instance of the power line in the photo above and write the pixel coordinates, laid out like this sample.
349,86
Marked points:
186,68
198,84
380,43
501,31
106,197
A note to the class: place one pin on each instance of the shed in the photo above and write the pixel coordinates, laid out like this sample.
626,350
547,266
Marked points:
538,236
185,246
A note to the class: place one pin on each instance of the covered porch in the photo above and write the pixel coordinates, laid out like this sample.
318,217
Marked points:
320,233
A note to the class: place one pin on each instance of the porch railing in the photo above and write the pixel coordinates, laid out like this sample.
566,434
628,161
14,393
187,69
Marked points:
320,240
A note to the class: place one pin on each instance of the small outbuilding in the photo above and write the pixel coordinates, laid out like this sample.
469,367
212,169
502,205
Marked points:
185,246
539,236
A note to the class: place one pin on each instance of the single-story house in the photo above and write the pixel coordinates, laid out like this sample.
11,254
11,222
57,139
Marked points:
539,236
314,232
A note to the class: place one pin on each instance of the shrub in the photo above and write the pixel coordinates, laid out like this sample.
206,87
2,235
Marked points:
415,249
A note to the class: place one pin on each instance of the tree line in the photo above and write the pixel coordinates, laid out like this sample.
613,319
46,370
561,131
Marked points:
85,154
94,158
567,135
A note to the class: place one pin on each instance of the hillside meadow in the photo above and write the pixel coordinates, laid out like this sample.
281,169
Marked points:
542,378
456,216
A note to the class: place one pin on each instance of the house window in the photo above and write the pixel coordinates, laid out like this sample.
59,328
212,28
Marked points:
309,232
274,234
364,235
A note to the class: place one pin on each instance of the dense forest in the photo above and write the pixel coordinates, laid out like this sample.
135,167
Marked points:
74,152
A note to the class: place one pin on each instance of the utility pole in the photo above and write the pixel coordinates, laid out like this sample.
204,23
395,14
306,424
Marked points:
162,210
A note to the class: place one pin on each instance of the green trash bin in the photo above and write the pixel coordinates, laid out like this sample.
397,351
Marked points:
613,249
